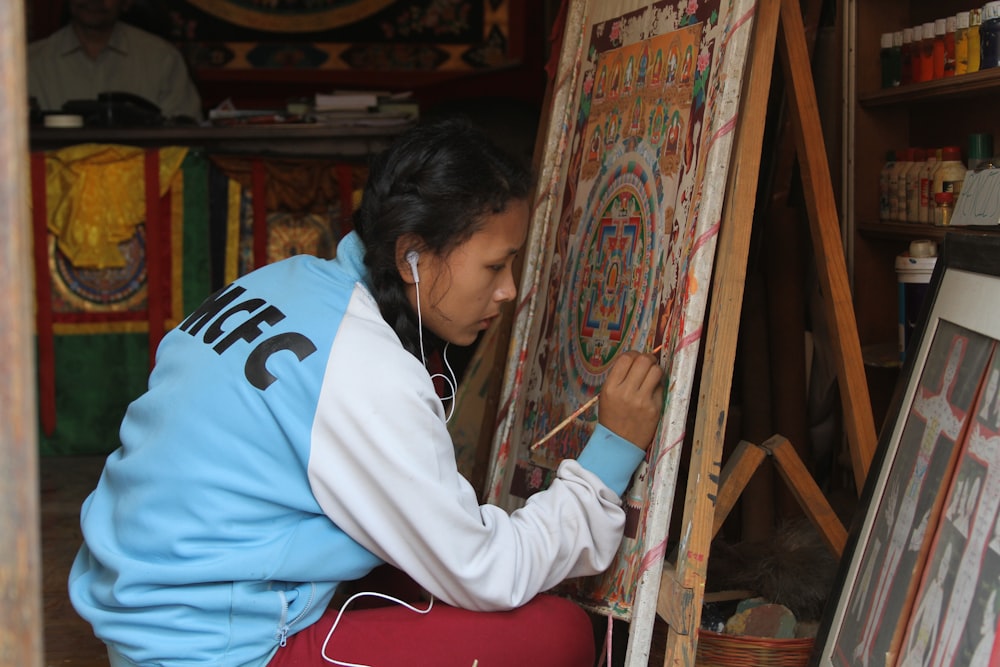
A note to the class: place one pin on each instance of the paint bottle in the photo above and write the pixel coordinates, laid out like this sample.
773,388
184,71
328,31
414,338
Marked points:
913,185
927,52
940,28
918,53
884,183
897,57
949,46
906,58
944,206
975,47
904,160
961,43
951,174
989,36
886,61
926,211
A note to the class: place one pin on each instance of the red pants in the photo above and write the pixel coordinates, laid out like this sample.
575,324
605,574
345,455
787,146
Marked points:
548,631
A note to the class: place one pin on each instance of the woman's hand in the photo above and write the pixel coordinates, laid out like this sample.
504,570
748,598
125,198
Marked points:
631,399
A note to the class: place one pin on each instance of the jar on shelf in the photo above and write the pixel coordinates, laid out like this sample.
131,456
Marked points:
944,206
950,173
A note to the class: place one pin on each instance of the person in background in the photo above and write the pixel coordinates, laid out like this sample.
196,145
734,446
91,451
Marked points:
98,53
291,440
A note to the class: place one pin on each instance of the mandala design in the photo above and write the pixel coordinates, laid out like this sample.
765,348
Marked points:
100,290
612,281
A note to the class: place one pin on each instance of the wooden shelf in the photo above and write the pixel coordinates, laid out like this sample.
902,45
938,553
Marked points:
909,231
983,82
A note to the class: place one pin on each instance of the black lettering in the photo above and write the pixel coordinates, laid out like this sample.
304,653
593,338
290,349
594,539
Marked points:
249,330
209,308
256,366
216,330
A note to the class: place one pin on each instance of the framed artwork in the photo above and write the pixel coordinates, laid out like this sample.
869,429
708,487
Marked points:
920,577
634,170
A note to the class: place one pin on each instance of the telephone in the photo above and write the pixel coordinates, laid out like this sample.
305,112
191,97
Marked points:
116,109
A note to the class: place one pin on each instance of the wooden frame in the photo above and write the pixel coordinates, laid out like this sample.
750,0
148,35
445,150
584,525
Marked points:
920,577
600,153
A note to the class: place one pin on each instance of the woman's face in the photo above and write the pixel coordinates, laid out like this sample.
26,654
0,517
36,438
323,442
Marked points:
461,293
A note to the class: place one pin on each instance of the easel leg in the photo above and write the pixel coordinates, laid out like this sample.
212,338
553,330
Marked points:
809,495
829,252
740,467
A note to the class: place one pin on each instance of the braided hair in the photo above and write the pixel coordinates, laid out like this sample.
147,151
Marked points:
437,181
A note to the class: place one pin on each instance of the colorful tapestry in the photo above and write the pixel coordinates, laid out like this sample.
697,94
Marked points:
361,35
620,256
103,298
130,240
288,206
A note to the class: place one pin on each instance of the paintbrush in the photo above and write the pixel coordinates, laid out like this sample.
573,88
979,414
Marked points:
576,413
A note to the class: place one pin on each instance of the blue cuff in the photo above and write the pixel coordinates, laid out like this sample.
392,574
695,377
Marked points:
612,458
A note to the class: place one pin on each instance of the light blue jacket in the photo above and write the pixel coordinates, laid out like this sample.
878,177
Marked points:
287,443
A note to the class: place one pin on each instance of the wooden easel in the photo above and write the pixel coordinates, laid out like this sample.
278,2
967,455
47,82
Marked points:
712,492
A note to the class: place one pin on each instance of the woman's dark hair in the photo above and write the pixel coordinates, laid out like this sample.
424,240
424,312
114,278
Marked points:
437,181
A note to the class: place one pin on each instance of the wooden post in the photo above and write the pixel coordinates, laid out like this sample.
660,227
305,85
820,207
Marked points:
20,552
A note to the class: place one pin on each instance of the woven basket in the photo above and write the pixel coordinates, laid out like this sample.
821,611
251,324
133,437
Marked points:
722,650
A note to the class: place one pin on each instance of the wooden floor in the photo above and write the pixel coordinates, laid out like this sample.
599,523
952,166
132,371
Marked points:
64,482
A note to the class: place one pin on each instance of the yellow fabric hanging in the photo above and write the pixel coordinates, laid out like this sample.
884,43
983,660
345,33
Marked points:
95,194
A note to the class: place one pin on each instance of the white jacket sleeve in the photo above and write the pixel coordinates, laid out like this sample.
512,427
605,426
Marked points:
382,467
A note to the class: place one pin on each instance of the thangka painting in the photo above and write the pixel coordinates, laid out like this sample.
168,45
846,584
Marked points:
920,579
121,237
620,255
346,35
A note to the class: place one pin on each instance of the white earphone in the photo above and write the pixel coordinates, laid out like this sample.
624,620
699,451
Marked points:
411,258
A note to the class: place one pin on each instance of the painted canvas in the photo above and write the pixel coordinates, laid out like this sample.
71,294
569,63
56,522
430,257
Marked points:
918,583
938,419
624,228
955,613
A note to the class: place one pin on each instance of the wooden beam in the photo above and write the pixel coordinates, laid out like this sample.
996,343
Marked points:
809,495
740,467
827,240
